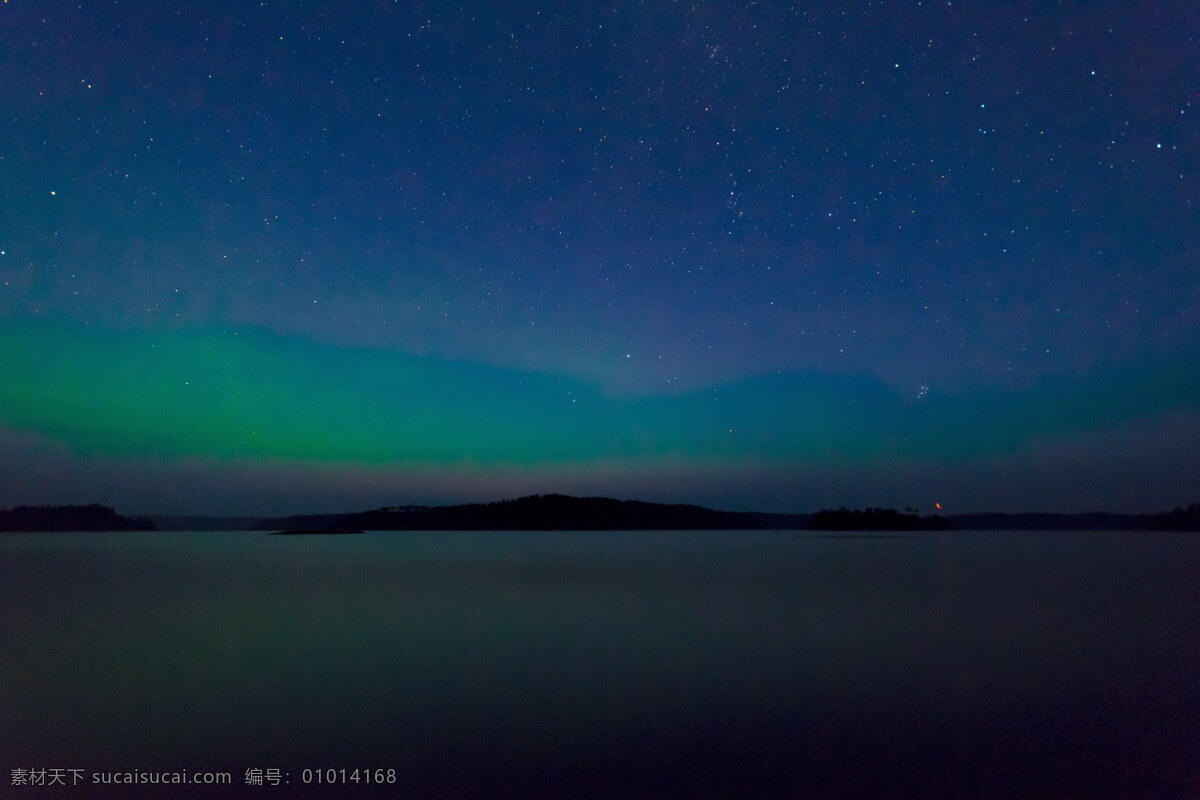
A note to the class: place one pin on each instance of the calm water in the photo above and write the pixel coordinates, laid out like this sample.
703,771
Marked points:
664,664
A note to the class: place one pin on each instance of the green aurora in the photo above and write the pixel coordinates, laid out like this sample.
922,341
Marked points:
252,394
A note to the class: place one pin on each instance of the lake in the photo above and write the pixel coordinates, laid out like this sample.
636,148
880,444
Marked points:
606,664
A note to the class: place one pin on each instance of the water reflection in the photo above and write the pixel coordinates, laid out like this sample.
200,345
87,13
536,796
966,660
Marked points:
599,664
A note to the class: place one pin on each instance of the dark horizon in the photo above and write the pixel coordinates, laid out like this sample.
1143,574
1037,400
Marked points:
923,511
983,519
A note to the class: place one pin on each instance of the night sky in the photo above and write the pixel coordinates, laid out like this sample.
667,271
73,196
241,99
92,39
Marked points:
286,257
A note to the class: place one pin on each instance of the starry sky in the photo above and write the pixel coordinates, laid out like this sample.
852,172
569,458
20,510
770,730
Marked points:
297,256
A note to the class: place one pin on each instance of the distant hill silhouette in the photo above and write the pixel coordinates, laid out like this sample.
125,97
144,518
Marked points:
545,512
69,518
560,512
1180,519
874,519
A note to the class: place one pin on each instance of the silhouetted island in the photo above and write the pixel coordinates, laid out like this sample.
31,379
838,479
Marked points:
547,512
1179,519
92,517
563,513
874,519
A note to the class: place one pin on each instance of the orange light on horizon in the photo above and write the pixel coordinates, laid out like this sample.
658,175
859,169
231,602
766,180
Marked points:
939,505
